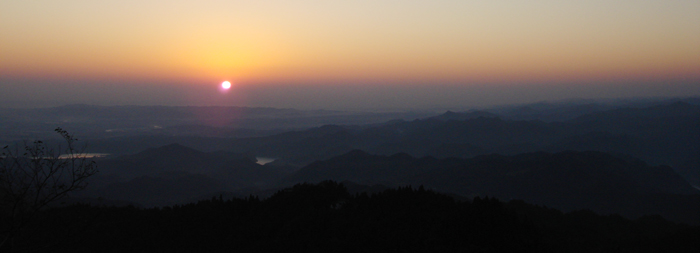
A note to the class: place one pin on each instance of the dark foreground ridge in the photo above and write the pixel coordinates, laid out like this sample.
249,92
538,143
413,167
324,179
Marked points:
325,217
568,181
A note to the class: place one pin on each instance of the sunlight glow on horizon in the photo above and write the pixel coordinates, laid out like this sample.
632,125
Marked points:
276,43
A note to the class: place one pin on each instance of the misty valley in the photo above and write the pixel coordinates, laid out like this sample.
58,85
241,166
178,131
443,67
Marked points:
572,176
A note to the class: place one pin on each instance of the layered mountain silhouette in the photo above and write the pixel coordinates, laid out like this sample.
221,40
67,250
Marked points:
450,115
624,161
567,180
667,134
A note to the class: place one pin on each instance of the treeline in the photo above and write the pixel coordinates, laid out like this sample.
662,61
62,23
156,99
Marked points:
325,217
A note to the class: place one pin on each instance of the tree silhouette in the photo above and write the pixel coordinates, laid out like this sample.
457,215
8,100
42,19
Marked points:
33,178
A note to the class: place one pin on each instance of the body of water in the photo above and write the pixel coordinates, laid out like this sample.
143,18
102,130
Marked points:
265,160
85,155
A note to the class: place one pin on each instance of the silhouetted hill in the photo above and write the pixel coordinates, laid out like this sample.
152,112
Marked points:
677,121
129,145
570,109
175,173
173,150
450,115
418,137
460,150
359,166
551,112
172,157
567,180
163,189
326,217
557,178
672,110
602,141
662,134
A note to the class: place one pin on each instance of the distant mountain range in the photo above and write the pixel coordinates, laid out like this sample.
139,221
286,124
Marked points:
97,122
666,134
633,161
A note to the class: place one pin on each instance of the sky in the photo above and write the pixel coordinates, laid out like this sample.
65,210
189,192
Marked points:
345,54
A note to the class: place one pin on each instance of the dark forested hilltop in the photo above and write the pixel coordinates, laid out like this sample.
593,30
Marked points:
567,180
326,218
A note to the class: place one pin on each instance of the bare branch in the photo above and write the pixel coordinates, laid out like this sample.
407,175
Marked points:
31,181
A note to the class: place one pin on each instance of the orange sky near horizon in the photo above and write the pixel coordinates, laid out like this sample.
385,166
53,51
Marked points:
362,42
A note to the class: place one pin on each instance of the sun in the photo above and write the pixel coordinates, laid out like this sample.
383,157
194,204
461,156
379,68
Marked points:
226,85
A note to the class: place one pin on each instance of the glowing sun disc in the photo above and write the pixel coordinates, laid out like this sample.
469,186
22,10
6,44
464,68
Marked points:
226,85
